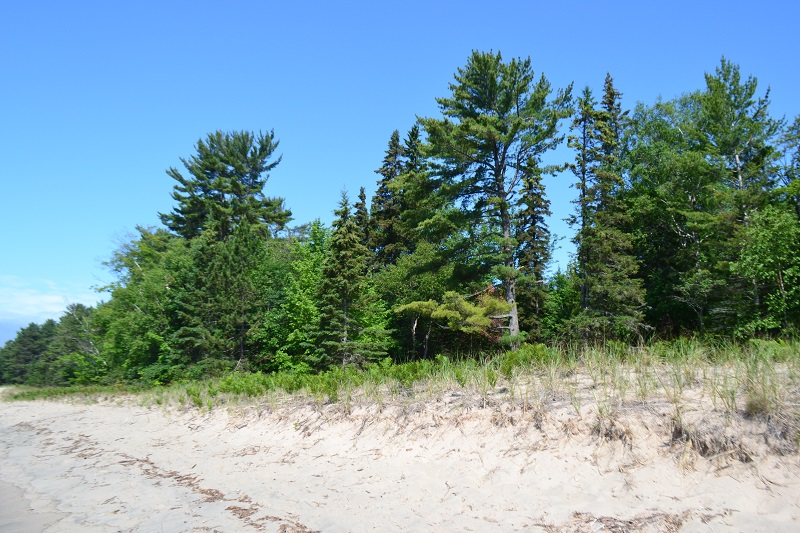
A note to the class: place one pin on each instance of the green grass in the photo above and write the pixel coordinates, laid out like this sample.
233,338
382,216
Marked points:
756,379
25,393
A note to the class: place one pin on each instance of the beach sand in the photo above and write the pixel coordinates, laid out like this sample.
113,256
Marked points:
16,514
451,463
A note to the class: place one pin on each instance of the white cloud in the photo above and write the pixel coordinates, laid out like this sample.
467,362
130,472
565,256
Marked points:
24,301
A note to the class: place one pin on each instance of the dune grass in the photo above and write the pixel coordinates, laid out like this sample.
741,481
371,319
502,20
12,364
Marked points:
755,378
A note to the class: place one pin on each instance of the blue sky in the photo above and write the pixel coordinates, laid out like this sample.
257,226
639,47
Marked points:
99,99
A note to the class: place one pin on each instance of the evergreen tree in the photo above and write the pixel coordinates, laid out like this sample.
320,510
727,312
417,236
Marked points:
19,356
426,210
385,241
421,275
73,356
217,303
225,187
678,216
612,297
790,174
456,313
497,124
361,218
738,137
583,141
738,134
351,318
533,236
406,197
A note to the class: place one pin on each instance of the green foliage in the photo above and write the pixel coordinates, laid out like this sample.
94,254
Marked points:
289,326
386,239
561,306
353,320
701,167
218,304
282,362
136,321
456,313
789,190
416,276
675,210
771,255
737,133
19,356
533,236
80,368
611,296
70,355
687,224
225,186
497,125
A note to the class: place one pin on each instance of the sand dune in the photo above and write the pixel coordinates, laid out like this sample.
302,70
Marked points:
448,464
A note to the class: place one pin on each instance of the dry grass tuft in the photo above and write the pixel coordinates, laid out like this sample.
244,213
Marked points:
611,430
711,439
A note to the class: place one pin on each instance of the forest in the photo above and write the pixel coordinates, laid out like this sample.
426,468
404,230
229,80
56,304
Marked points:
686,224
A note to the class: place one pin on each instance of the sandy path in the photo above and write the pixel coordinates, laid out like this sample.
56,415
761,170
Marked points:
440,467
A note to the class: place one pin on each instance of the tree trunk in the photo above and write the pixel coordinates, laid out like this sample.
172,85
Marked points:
510,281
784,306
513,326
427,337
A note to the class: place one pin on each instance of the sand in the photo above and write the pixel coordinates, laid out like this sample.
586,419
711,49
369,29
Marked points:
450,463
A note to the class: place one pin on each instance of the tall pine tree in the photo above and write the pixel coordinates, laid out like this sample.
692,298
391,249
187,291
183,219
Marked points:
385,240
498,122
533,255
612,297
225,187
352,322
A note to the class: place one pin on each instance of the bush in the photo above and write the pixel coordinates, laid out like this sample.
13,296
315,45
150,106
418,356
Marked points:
160,374
80,369
283,362
241,384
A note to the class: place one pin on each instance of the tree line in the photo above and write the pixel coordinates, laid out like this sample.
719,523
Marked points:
686,220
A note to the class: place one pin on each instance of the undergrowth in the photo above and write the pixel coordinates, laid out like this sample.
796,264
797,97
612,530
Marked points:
757,379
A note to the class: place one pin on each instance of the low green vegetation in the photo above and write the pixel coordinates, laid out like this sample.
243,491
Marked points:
757,380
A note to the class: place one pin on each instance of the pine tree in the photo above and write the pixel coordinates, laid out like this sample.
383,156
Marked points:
405,197
216,304
362,219
790,173
676,206
533,236
426,212
497,123
738,138
612,297
350,317
385,241
584,142
225,186
738,134
72,357
19,356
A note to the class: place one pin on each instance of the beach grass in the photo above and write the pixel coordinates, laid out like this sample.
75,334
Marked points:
758,378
